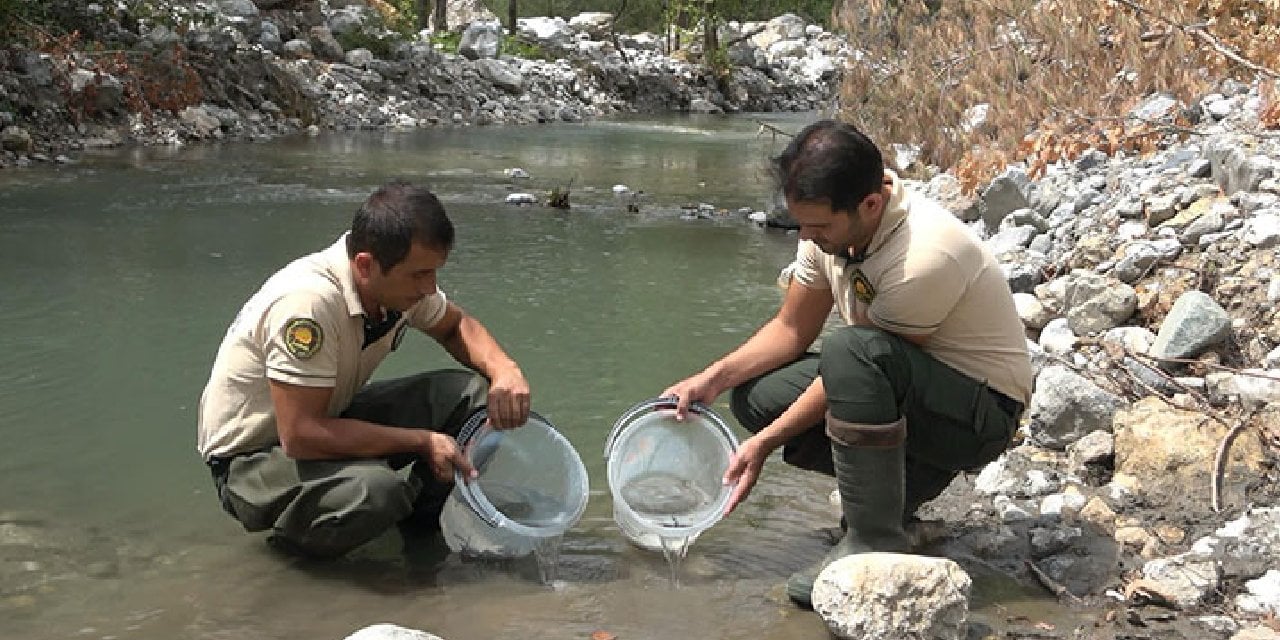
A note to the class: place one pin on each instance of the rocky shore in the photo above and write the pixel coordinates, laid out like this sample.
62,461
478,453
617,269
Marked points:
243,70
1143,488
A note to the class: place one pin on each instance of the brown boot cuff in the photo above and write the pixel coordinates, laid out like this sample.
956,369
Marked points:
852,434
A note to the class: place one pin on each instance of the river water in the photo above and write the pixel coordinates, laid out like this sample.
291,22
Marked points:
121,272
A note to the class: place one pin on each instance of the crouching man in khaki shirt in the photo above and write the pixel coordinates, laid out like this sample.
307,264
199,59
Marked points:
928,377
296,441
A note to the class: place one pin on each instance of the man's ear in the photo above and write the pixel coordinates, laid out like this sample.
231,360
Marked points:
874,202
364,264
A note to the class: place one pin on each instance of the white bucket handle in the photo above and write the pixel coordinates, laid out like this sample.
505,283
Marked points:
476,500
666,402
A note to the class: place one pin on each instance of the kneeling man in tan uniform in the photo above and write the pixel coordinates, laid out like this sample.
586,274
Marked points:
928,377
296,441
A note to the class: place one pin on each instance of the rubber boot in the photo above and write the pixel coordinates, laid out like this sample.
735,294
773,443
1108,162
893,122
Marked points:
872,495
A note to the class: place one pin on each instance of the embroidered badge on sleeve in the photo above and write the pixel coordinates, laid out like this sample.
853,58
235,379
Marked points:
862,288
303,337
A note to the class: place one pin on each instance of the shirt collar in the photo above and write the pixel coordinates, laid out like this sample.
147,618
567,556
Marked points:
894,213
340,264
891,218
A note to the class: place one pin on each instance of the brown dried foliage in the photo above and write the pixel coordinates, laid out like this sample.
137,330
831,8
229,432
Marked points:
164,80
1058,75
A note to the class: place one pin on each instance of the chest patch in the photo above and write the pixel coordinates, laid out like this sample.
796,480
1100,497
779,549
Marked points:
303,337
862,288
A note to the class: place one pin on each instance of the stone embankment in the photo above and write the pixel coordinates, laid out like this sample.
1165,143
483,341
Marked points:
1144,484
243,70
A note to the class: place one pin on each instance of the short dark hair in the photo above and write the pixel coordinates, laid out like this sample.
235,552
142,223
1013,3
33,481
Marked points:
394,216
830,161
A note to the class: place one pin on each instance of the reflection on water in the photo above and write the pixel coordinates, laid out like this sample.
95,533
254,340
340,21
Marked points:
122,272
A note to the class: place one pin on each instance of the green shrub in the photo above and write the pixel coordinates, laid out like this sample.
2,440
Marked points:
381,44
448,40
521,48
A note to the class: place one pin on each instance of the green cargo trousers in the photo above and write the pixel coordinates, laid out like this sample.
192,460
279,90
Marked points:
954,423
325,508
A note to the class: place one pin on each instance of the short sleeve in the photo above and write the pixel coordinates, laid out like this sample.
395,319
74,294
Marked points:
805,269
428,311
925,292
300,334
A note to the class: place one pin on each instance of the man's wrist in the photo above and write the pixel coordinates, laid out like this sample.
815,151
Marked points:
504,369
425,441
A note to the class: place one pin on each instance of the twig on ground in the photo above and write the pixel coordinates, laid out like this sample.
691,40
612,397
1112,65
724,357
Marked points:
1218,367
1158,126
1220,459
1202,404
1052,585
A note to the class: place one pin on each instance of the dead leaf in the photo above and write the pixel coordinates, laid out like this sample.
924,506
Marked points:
602,635
1143,591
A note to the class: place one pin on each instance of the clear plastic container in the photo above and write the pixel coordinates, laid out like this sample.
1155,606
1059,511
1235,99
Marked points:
665,475
532,488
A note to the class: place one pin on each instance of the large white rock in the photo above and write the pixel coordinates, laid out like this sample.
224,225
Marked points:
874,596
386,631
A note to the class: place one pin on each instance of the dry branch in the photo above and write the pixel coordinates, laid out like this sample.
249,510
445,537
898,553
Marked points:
765,127
1052,585
1198,32
1220,459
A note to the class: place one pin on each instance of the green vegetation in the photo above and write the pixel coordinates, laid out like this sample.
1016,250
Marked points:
28,21
447,40
521,48
381,44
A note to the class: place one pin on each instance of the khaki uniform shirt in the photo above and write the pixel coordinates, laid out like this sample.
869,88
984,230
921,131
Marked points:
305,326
925,273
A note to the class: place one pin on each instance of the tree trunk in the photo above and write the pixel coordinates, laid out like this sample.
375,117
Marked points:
442,18
710,33
513,12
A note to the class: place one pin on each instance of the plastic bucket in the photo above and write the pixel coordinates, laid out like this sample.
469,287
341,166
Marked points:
532,487
666,475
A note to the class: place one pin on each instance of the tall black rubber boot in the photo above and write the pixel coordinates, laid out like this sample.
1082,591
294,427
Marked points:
870,476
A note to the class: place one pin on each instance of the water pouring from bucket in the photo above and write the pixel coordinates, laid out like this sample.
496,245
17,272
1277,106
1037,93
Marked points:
531,488
665,475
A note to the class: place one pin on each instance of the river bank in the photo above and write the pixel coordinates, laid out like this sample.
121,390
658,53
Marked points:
226,71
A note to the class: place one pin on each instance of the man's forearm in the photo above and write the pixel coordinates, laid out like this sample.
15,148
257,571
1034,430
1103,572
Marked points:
474,347
337,438
771,347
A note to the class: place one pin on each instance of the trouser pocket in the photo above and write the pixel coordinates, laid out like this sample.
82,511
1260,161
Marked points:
953,420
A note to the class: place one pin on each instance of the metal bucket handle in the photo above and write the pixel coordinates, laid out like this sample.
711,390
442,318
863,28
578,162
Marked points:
474,499
665,402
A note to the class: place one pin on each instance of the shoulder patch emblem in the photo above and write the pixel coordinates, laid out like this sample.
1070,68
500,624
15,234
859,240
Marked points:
303,337
862,288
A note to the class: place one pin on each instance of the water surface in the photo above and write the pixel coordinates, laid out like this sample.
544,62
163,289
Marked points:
120,274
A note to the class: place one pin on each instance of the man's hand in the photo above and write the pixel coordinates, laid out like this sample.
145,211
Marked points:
508,399
444,456
744,469
690,390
